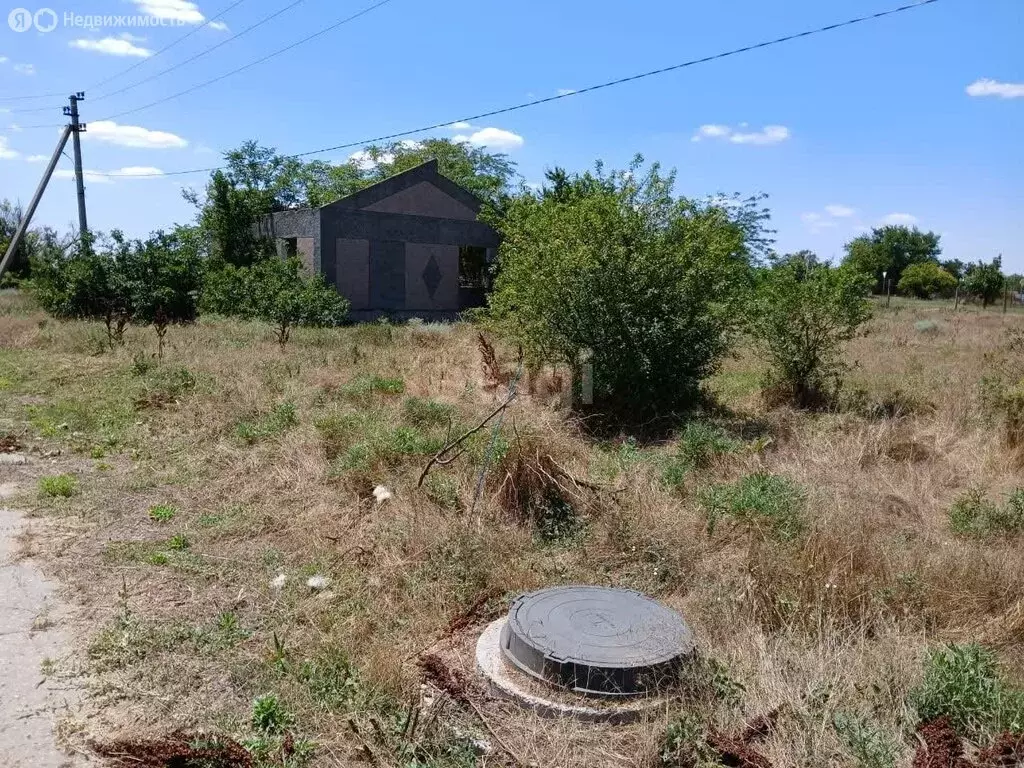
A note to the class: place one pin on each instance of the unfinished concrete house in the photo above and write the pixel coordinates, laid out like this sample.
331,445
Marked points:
409,246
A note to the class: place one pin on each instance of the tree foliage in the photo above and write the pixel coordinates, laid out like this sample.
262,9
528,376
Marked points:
277,292
802,315
117,280
985,281
891,250
926,279
611,262
36,242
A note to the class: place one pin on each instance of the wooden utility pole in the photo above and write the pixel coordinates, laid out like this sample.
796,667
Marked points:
76,129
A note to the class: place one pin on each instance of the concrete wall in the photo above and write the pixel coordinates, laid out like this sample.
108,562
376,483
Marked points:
352,271
445,277
304,225
424,199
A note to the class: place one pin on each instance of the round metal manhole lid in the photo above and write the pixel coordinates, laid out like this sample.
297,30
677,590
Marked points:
596,640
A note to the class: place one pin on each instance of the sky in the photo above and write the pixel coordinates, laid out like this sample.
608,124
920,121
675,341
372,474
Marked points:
916,118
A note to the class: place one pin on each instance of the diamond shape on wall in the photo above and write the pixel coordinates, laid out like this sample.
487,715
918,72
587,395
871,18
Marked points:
432,275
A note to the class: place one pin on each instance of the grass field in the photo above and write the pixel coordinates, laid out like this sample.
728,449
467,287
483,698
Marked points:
820,558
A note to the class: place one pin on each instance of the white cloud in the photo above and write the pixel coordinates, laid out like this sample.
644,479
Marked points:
132,136
839,211
37,158
3,59
6,153
816,221
460,126
495,138
109,177
15,128
112,46
220,26
988,87
565,91
25,69
899,219
176,10
770,134
711,132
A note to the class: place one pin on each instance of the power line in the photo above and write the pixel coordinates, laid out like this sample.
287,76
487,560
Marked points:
180,64
126,70
588,89
242,68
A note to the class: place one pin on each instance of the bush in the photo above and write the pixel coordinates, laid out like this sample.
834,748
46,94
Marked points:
58,486
962,682
973,514
699,445
868,743
926,279
802,315
612,264
767,502
276,291
985,281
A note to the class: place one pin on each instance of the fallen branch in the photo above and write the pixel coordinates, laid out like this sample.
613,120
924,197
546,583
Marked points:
442,458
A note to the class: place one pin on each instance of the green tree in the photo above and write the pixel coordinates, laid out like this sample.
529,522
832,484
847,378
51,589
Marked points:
985,281
651,285
891,249
281,295
926,279
166,275
955,267
802,316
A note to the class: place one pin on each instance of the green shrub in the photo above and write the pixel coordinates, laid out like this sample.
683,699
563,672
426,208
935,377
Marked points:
771,503
962,682
178,543
925,279
802,315
973,514
699,445
162,513
278,292
869,744
611,263
929,327
58,486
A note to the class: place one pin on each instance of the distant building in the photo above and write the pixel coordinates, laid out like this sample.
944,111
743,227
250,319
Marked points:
409,246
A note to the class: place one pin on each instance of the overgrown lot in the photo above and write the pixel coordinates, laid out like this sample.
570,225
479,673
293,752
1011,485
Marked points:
837,567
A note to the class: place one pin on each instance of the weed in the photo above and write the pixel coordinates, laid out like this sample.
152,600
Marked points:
686,743
162,513
927,327
962,682
426,413
165,386
58,486
332,681
178,543
362,388
337,431
699,445
761,500
443,491
973,514
868,743
279,420
269,717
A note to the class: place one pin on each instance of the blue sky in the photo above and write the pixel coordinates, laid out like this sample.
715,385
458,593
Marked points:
914,118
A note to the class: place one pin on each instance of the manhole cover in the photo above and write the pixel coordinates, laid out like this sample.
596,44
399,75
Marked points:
596,640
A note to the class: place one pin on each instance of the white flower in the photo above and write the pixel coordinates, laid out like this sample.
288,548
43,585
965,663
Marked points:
278,581
381,493
318,582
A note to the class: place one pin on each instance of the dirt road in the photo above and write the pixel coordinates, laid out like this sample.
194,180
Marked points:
30,637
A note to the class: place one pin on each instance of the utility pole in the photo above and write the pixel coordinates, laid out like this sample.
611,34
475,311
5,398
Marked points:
19,233
76,129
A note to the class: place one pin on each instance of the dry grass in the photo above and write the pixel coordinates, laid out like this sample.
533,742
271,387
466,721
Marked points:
270,458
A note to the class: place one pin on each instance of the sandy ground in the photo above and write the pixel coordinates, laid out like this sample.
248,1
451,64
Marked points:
30,632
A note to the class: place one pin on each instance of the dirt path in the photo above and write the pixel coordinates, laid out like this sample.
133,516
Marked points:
30,703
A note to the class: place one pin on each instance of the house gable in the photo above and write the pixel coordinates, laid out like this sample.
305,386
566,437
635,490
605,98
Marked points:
420,191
